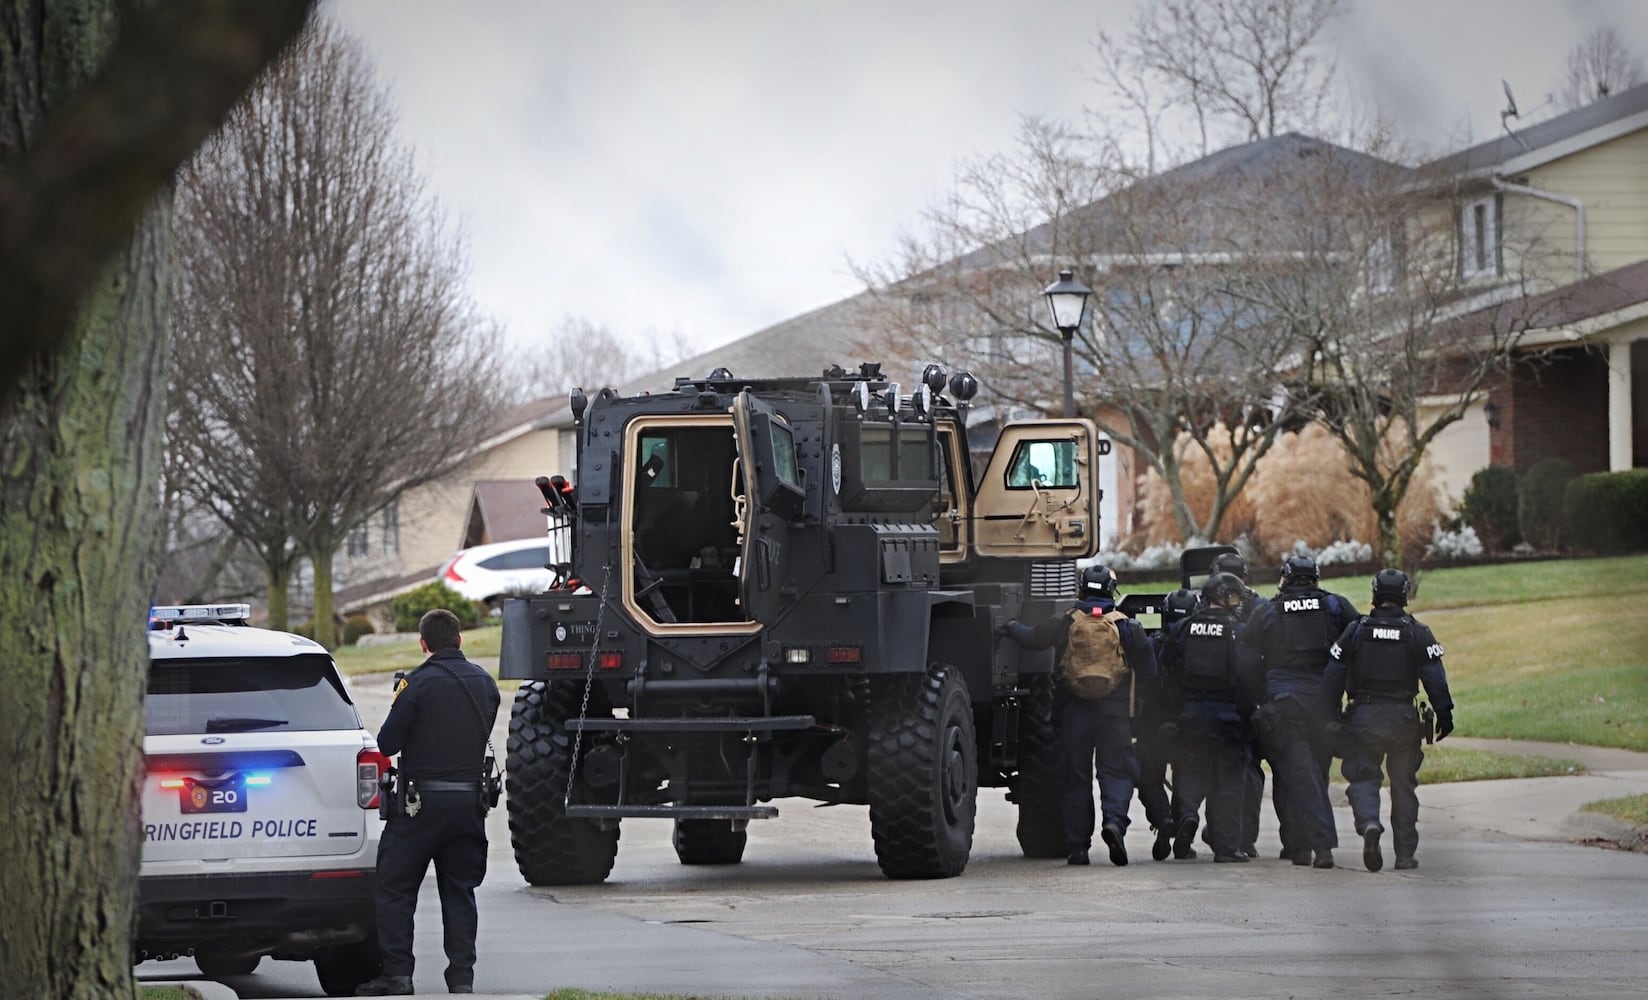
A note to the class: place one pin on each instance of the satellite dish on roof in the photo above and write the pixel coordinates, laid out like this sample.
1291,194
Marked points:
1509,113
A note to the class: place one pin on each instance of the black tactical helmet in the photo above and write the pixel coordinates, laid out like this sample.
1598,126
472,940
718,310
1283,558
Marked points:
1220,588
1098,581
1300,568
1391,586
1181,603
1231,562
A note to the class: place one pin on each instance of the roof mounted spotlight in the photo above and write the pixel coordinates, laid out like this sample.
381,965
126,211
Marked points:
870,370
933,378
579,403
963,386
721,375
890,397
861,396
922,398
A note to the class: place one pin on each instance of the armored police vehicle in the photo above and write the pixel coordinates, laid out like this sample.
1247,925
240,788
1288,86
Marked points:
790,588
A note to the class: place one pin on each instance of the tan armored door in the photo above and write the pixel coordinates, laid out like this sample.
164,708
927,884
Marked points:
1039,496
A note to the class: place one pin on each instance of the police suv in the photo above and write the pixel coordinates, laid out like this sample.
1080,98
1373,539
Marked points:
260,799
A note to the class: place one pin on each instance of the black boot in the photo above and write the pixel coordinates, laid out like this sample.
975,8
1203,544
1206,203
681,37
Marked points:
1370,848
1186,836
1163,845
386,986
1112,835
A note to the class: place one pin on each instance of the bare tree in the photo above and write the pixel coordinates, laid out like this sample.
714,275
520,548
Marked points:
99,103
329,356
1599,64
1403,330
1228,70
581,352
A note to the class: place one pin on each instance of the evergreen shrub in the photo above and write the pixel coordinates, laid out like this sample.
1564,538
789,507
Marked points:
1539,499
410,606
1489,507
1608,511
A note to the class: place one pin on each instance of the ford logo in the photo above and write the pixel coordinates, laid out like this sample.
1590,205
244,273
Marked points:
211,741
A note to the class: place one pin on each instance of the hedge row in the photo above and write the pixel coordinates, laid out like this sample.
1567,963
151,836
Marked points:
1608,511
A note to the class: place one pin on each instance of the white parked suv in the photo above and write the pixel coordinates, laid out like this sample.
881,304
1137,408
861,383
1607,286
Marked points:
260,802
486,573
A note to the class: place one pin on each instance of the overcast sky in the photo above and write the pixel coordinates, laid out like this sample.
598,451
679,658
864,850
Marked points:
710,167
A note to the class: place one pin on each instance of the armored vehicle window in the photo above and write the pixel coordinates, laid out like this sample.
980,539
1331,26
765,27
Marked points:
1050,464
915,457
657,462
784,454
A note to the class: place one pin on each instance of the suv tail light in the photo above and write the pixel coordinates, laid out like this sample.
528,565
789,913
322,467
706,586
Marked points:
450,571
370,765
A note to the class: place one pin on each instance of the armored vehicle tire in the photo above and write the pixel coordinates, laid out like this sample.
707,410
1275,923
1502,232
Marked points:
923,774
216,965
709,842
342,969
1037,789
551,849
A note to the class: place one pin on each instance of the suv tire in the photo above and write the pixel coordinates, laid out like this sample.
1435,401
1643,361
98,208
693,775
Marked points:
923,771
551,849
342,969
1037,789
709,842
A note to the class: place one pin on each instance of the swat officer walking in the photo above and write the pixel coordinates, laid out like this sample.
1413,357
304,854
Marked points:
1101,654
1292,634
1380,661
1253,783
439,724
1202,656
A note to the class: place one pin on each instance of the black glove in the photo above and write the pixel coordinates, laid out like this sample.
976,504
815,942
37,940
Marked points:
1005,629
1444,725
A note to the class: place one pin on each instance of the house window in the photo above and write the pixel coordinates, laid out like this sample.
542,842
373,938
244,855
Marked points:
355,544
392,529
1479,237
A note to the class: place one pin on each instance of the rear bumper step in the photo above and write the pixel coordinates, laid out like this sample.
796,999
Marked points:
671,812
747,724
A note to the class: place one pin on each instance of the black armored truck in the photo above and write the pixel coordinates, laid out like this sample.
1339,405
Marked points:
791,587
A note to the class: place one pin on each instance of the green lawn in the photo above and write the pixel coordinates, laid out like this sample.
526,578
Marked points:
1632,809
165,993
381,659
1446,764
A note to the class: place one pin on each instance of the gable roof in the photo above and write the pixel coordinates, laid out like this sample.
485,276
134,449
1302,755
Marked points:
502,510
1551,139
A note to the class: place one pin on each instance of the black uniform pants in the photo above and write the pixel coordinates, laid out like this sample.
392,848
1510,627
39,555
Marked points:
1387,733
450,831
1299,759
1212,768
1095,731
1155,752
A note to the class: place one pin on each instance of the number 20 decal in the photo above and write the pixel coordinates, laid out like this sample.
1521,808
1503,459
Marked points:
225,796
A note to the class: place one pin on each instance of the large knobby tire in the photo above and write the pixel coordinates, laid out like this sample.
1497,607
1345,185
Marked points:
551,849
709,842
217,965
342,969
1037,788
923,772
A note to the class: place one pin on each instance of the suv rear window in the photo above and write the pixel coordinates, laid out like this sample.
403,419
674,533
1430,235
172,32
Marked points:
246,695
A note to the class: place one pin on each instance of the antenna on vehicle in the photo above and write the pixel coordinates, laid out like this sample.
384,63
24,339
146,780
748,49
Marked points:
1509,113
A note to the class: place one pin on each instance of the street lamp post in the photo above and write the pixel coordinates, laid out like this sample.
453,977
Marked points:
1067,302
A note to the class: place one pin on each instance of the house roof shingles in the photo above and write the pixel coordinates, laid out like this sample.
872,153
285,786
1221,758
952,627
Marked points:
1490,154
509,508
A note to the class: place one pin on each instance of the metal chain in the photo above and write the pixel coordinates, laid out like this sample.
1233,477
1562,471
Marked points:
589,682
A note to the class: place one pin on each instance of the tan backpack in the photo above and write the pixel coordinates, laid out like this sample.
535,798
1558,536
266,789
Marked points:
1094,664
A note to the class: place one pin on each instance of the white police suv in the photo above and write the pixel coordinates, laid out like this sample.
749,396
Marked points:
260,802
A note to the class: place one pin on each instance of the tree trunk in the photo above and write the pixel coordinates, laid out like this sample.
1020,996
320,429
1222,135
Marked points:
325,633
79,530
280,586
1390,538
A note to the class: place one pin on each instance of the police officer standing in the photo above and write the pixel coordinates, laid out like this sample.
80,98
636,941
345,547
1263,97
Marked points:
1094,728
1253,780
1156,734
1292,634
439,725
1380,661
1203,657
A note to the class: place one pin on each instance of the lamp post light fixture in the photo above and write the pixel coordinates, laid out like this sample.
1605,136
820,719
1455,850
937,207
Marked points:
1067,302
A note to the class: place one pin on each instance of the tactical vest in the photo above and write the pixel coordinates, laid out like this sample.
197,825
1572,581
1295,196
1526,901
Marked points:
1209,653
1384,657
1303,632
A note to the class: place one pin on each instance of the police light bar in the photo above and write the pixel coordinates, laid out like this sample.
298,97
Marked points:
184,613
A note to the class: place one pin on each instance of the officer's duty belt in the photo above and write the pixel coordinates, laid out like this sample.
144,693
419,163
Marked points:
1384,697
425,785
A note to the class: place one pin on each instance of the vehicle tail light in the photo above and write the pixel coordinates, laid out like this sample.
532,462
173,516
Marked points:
843,654
452,572
566,661
609,659
370,766
171,782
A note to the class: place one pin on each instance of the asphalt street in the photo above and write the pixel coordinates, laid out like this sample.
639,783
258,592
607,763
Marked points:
1508,902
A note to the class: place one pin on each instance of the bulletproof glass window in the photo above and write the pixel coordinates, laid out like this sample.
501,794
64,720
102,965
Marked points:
915,454
249,694
784,463
657,468
1050,465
